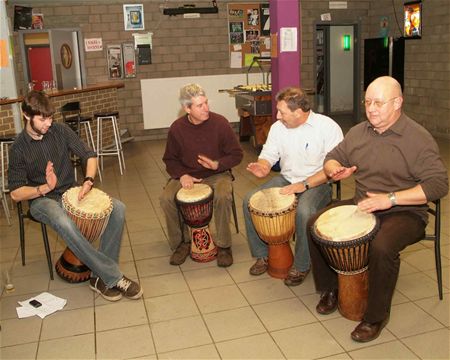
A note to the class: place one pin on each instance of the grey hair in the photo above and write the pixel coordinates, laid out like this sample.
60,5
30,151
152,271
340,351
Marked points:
188,92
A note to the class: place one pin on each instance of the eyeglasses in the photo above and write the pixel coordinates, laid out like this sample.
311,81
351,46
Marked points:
378,103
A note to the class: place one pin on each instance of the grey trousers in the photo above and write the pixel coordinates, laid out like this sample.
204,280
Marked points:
222,185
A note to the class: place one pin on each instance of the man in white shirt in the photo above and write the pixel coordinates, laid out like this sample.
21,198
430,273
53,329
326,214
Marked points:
300,139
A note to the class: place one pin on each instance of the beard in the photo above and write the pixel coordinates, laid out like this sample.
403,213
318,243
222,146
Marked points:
38,132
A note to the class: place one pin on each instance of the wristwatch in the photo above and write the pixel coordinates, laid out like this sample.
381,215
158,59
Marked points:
89,178
305,184
392,198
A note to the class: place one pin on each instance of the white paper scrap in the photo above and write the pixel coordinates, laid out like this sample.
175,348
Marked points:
50,304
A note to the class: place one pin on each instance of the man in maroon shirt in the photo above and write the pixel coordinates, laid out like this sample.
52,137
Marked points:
201,147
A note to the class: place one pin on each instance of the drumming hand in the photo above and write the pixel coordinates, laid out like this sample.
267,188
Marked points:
50,176
258,169
187,181
84,190
374,202
207,162
340,173
292,189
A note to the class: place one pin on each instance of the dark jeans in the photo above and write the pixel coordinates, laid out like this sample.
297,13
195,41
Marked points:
397,231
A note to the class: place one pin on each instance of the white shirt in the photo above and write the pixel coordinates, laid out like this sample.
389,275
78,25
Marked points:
301,150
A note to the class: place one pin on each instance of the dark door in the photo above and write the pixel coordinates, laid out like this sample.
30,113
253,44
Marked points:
39,65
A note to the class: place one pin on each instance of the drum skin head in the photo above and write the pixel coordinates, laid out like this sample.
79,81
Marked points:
344,223
271,201
95,203
197,193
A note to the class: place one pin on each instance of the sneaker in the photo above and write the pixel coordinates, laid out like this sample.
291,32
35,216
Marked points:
129,288
259,267
110,294
224,257
180,254
295,277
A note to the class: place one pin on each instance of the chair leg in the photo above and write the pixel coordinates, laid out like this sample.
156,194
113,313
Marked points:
22,233
437,256
233,208
47,250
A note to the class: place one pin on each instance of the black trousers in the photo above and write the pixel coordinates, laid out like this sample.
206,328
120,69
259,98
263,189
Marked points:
397,231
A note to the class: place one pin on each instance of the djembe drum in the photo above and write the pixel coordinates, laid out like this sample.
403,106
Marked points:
273,216
343,234
196,208
91,216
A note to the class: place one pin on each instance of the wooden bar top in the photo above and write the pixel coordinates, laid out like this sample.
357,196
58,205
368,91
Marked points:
101,86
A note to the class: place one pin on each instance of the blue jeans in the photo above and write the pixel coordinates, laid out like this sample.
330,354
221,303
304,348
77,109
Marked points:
104,261
309,202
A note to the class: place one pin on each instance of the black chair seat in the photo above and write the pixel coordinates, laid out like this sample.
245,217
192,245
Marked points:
106,113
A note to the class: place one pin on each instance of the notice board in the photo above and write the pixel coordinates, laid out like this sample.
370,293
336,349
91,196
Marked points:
248,32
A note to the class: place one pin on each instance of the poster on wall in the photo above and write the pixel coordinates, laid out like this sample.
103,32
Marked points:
23,17
412,28
37,21
133,16
129,60
114,59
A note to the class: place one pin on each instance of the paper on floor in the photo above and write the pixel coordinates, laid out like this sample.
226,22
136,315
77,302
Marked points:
50,304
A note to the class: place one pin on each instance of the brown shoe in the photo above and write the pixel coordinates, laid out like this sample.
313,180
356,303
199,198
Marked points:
295,277
366,331
224,257
259,267
328,302
180,254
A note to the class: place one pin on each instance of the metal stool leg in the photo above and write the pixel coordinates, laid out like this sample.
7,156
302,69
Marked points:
90,141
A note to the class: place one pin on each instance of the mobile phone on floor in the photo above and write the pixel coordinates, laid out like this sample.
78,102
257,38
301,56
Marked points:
35,303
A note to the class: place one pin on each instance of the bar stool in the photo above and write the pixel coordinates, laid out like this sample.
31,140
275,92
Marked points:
5,142
115,149
71,114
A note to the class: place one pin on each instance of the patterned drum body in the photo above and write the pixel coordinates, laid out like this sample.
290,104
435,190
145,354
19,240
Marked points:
91,216
343,234
273,216
196,208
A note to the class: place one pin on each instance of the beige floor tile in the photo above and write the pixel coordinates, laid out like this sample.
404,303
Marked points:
147,237
169,307
258,292
25,351
439,309
190,264
125,343
180,334
395,349
306,342
233,324
432,345
206,352
341,329
306,287
33,284
399,298
20,331
402,324
78,321
135,225
219,299
32,267
207,278
445,277
422,259
253,347
416,286
77,297
283,314
406,269
8,306
120,314
342,356
240,272
156,266
164,285
74,347
58,284
155,249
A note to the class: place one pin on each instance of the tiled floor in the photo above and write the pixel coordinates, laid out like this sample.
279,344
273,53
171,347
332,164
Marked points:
200,311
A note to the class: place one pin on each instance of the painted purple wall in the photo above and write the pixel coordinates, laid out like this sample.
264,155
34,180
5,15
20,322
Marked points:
286,66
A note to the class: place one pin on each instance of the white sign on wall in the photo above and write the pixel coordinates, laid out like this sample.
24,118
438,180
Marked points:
94,44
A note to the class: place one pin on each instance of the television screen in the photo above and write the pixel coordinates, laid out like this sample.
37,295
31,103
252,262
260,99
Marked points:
412,28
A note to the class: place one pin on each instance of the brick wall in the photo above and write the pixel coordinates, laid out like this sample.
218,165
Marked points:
6,120
190,47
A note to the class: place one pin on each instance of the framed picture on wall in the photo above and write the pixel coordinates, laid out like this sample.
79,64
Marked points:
115,63
129,60
412,28
133,16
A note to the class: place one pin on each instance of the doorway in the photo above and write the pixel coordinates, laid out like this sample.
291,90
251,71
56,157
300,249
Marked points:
336,64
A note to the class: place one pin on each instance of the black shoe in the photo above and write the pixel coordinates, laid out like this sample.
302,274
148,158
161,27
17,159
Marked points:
180,254
366,331
328,302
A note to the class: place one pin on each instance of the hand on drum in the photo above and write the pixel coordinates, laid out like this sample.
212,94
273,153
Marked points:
207,162
374,202
292,189
258,169
341,172
50,176
187,181
87,186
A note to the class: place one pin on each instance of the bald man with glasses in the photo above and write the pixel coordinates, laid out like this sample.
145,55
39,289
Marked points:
397,170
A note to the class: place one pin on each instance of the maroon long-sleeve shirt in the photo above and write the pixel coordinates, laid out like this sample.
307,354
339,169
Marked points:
213,138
